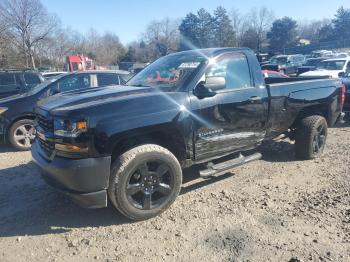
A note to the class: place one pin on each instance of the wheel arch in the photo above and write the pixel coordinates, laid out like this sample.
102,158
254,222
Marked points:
321,110
167,136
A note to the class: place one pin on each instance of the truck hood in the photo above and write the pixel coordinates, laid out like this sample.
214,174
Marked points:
320,72
89,97
124,101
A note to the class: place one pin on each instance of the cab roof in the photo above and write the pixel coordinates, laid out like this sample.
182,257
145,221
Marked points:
212,52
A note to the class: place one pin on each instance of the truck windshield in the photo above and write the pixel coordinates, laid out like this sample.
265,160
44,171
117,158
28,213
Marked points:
279,60
332,65
168,73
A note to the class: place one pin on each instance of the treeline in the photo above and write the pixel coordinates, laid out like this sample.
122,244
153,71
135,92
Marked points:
32,37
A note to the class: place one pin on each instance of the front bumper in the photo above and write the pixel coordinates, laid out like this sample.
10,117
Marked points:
84,180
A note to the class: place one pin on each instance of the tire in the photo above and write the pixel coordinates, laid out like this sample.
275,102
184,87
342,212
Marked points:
144,181
310,137
22,134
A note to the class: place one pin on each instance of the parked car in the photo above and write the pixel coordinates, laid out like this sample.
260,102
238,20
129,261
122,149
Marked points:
331,67
48,75
262,58
341,55
346,81
310,65
269,73
184,109
16,112
286,64
15,81
322,53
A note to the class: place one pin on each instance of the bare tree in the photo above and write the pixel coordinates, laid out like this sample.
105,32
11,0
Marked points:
239,25
162,37
260,21
28,24
60,43
310,29
110,49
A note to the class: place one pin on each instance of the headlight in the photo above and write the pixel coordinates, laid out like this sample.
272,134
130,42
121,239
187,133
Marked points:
3,110
69,128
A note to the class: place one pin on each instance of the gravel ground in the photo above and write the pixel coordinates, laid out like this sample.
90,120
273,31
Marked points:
275,209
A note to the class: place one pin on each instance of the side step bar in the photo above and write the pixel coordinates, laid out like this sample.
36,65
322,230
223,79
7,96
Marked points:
227,165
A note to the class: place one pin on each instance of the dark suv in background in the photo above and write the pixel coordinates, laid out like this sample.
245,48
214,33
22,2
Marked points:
286,64
16,112
310,65
14,81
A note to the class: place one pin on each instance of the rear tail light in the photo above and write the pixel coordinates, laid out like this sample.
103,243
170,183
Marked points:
343,92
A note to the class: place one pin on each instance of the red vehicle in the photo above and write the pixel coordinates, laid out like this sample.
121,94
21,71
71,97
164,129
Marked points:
270,73
81,63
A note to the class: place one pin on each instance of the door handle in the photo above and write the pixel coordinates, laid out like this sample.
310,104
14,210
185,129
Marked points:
255,99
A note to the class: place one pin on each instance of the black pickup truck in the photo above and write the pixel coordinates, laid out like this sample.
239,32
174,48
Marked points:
131,142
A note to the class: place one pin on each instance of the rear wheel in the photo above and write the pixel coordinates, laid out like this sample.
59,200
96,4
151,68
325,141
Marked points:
310,139
22,134
144,181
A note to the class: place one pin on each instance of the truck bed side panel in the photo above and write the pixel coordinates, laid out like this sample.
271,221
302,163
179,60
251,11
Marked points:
289,99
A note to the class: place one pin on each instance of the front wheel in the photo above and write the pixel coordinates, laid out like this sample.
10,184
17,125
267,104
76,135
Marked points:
144,181
310,138
22,134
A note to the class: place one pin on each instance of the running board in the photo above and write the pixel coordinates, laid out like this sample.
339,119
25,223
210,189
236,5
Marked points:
227,165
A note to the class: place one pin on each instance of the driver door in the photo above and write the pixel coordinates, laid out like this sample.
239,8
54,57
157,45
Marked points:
235,118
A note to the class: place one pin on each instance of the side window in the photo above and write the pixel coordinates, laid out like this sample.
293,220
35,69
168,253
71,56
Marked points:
75,66
233,68
74,82
348,66
31,79
7,79
107,79
122,80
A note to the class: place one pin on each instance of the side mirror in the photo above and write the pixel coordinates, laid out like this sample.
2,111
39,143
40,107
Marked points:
208,88
55,89
341,74
215,83
202,91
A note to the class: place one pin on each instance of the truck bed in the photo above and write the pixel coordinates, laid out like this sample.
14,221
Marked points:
289,96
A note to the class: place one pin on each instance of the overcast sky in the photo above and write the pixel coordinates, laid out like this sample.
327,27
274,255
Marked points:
128,19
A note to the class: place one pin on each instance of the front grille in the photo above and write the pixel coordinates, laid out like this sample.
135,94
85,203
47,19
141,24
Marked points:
47,146
45,126
45,123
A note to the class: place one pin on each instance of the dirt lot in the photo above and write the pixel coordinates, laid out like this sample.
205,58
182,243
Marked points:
275,209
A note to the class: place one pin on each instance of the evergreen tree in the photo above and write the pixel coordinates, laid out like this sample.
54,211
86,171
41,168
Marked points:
250,38
223,30
325,33
282,34
341,23
189,29
205,29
